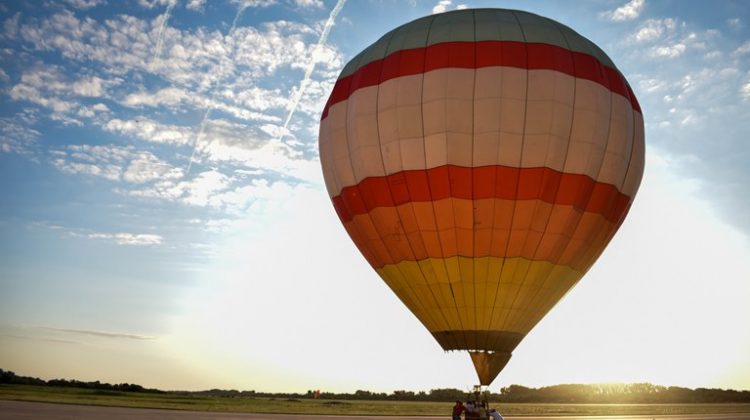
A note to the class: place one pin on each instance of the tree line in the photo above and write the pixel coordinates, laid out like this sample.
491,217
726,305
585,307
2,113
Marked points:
8,377
640,393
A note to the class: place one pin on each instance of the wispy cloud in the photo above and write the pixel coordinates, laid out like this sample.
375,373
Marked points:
123,238
629,11
64,335
101,334
118,238
43,339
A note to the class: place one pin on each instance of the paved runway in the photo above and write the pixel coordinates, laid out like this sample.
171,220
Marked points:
45,411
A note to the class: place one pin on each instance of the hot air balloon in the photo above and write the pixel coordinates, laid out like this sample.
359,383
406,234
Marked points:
481,161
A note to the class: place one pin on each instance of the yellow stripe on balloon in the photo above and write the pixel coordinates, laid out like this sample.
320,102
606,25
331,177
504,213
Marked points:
459,293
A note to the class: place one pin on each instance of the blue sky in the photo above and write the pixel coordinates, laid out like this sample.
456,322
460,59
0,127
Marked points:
161,225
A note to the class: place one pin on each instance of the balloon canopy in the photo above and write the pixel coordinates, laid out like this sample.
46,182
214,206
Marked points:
481,161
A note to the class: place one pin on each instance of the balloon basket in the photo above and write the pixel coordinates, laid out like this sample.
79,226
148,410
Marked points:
480,396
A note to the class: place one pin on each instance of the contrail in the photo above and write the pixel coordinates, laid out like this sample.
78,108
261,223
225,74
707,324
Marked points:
310,67
160,37
202,128
197,138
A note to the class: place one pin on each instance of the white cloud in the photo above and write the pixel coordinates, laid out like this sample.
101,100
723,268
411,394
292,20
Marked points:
233,195
441,6
150,4
113,163
124,238
107,171
180,100
85,4
734,23
628,11
151,131
17,137
90,86
216,225
195,4
201,191
742,49
651,85
745,91
170,96
668,51
4,76
48,87
653,29
146,167
712,55
198,69
224,141
11,26
690,119
25,92
254,3
309,4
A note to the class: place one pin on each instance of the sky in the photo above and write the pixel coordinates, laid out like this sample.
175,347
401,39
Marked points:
164,221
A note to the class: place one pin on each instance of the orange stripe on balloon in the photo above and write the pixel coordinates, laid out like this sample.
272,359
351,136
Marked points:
497,181
569,238
473,55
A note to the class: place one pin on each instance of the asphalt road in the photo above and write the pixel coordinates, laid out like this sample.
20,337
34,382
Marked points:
43,411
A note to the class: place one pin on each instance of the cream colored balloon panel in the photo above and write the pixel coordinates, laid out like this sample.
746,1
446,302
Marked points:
362,133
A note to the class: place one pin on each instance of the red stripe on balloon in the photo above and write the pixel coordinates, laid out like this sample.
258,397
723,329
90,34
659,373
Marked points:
474,55
548,185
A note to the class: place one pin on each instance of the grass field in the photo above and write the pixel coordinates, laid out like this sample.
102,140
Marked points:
304,406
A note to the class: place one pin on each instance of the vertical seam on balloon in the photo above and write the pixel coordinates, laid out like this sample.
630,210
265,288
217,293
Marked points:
520,159
559,250
473,236
630,161
591,194
452,201
487,311
611,230
357,186
632,151
529,306
354,227
416,293
432,202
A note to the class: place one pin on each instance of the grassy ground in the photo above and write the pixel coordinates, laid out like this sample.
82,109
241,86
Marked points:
304,406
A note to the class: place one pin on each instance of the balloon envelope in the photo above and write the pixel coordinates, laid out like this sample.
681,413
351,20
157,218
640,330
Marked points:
481,160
